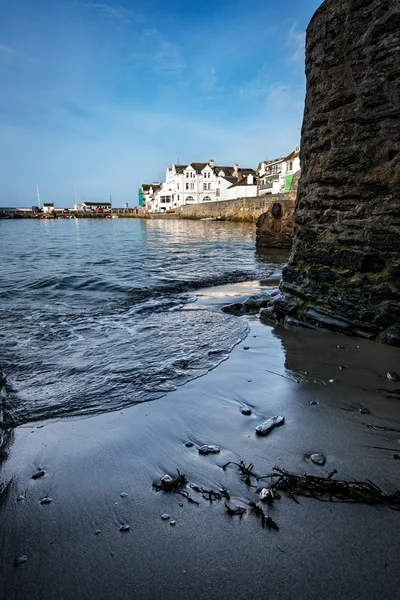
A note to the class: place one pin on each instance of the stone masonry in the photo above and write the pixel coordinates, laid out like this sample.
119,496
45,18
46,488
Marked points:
344,269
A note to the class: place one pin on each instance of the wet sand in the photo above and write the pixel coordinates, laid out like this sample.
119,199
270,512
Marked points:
322,550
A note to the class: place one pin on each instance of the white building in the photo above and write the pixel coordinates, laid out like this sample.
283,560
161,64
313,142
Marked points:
244,187
196,183
275,176
48,207
147,194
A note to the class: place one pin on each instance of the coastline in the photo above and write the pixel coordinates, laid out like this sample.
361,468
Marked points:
321,550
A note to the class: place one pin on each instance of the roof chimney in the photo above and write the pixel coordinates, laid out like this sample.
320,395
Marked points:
211,163
239,175
235,169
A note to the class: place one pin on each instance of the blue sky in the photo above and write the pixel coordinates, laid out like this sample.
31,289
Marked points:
104,96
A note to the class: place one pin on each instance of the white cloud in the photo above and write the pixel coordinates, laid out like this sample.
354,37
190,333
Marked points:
158,53
116,13
296,40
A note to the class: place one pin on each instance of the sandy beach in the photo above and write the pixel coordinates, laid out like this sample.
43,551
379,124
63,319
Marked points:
74,546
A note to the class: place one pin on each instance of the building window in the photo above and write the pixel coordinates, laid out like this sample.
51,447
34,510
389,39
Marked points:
206,199
177,197
192,186
219,182
204,186
177,186
217,192
187,175
209,186
187,186
190,199
209,174
291,165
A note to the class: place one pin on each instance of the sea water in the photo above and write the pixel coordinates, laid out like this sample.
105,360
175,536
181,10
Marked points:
98,314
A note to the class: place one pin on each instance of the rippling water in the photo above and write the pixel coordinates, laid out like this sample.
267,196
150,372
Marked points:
100,314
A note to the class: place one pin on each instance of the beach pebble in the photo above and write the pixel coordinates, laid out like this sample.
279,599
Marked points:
125,528
165,517
340,346
180,503
112,554
331,381
166,480
38,474
97,532
46,500
392,376
266,495
246,347
313,402
341,367
245,411
318,459
209,449
20,560
172,522
21,497
364,411
268,425
189,444
123,494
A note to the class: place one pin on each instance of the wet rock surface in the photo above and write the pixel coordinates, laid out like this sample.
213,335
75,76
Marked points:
209,449
344,270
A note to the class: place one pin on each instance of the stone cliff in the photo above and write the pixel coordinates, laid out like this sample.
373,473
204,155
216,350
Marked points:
344,269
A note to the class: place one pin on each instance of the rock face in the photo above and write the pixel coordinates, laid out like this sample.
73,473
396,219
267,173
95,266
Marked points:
344,269
275,227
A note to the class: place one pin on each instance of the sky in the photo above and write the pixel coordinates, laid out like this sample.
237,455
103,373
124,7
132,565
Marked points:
103,97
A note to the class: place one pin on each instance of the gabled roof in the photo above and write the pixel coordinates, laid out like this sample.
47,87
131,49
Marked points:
146,186
97,203
180,168
292,155
242,181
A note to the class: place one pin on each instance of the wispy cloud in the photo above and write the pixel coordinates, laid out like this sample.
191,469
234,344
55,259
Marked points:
296,40
116,13
12,56
158,53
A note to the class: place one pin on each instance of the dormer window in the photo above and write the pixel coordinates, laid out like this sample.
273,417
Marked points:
187,175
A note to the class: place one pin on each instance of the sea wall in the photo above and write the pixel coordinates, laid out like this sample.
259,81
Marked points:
344,269
245,209
275,226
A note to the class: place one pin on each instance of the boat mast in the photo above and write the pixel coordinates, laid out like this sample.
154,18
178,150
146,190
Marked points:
38,195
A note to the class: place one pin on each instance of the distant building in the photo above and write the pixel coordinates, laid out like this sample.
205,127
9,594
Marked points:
93,206
195,183
147,193
244,187
48,207
275,176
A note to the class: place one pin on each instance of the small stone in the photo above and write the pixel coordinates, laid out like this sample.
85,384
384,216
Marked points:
125,528
97,532
341,367
20,498
46,500
20,560
39,426
123,494
246,347
340,346
209,449
165,517
112,554
38,474
245,411
180,503
392,376
189,444
166,480
331,381
313,402
172,522
267,426
267,495
318,459
365,411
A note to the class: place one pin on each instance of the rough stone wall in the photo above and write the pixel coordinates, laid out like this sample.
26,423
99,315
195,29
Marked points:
275,227
246,209
345,260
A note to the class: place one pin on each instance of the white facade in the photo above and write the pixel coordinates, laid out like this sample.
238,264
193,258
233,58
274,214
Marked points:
195,183
246,187
48,207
